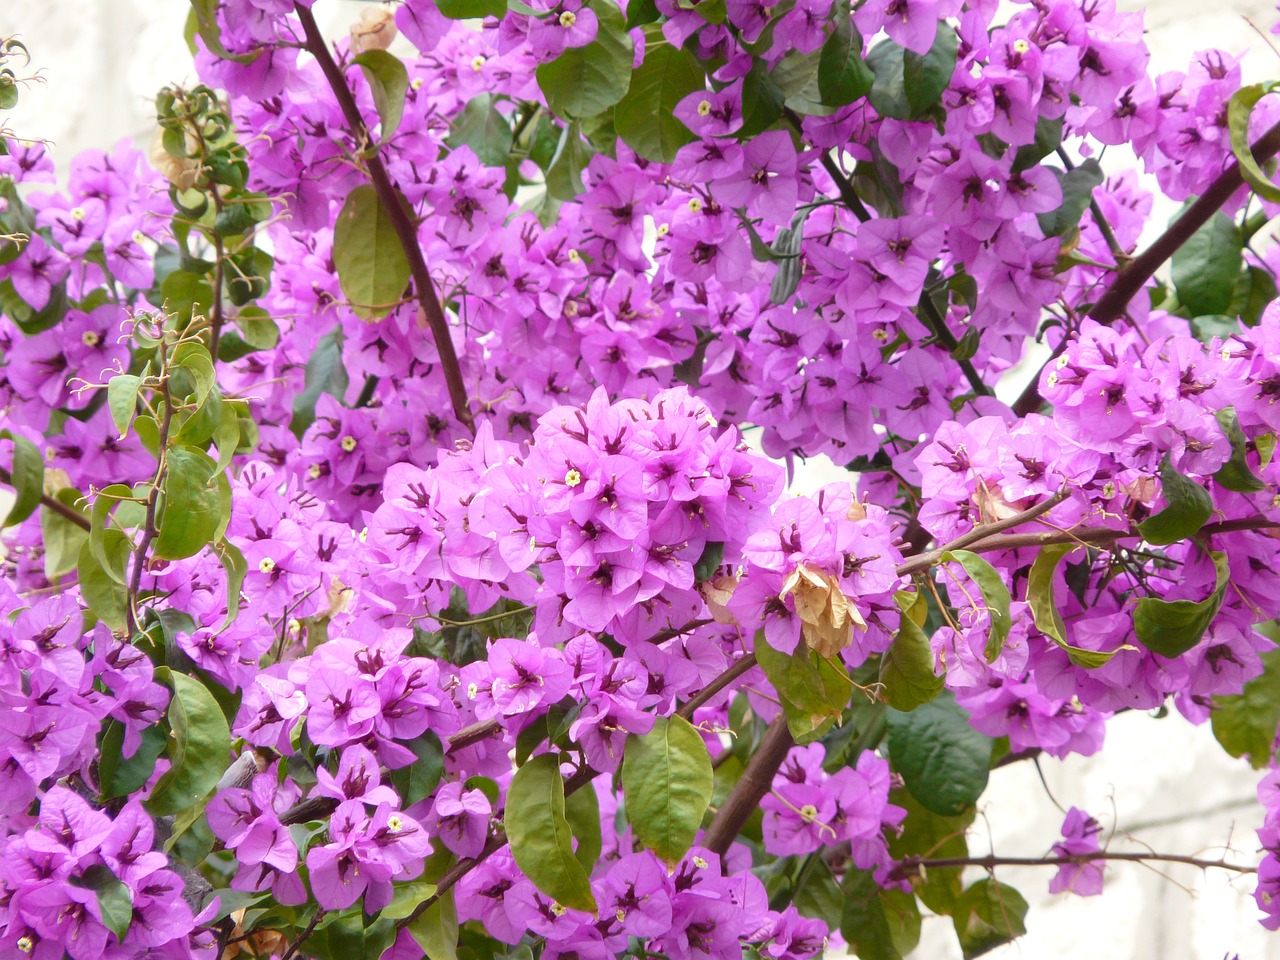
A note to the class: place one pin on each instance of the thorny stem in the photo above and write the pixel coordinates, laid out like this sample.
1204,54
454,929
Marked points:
389,197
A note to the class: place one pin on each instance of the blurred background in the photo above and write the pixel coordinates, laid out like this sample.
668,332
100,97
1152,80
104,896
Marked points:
1161,784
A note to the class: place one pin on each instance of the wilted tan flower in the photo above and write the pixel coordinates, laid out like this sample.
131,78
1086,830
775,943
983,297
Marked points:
718,591
182,172
375,30
826,616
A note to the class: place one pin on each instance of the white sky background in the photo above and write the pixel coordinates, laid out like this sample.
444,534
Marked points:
102,62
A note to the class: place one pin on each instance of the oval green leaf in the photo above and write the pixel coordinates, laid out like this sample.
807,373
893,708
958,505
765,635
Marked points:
645,117
540,837
373,270
199,746
668,780
943,760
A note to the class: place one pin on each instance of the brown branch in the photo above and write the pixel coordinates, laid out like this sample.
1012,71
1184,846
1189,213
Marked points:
1100,535
305,935
149,531
53,503
756,781
389,197
911,866
979,533
735,670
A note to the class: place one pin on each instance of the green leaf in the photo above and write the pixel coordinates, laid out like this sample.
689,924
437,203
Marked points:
472,9
325,374
926,834
987,915
818,895
235,568
1239,110
1188,508
762,102
419,780
943,760
564,173
196,502
194,360
540,837
708,561
1077,191
103,588
814,691
1172,627
878,924
199,746
406,898
797,76
645,117
61,538
106,498
1048,138
1235,473
482,128
388,82
115,898
843,76
118,777
582,810
1254,291
995,595
587,80
908,85
641,13
1044,606
346,937
907,667
1246,723
1205,268
27,477
206,25
436,930
668,782
122,400
373,270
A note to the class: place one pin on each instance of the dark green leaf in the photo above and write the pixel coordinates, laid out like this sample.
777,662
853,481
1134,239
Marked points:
668,782
926,834
115,898
540,836
1245,724
587,80
645,117
796,75
388,82
1235,474
908,85
482,128
1205,268
641,12
818,895
325,374
813,690
1172,627
27,477
987,915
419,780
708,562
1077,191
196,503
762,102
878,924
373,270
843,76
995,595
472,9
907,667
943,760
199,745
1188,507
118,777
1048,139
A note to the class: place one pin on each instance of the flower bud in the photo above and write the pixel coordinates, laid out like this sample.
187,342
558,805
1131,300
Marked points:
375,30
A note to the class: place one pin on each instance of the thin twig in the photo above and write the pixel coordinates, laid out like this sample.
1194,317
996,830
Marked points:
304,935
911,866
52,503
735,670
389,197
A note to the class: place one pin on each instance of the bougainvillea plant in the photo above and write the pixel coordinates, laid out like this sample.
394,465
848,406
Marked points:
385,571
